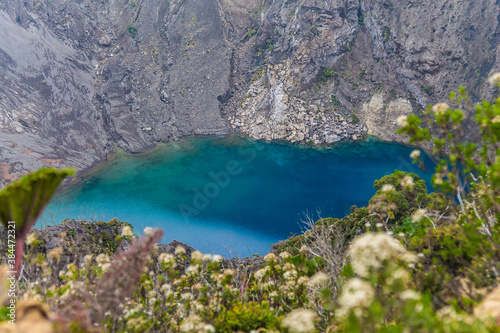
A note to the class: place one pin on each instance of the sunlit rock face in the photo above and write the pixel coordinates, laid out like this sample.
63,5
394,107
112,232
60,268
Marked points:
78,78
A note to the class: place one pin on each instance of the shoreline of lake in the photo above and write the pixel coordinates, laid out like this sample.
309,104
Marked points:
248,193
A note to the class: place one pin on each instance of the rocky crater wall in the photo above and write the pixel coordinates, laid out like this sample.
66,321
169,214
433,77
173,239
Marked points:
79,78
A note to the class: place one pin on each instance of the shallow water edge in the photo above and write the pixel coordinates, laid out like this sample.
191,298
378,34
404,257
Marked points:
230,195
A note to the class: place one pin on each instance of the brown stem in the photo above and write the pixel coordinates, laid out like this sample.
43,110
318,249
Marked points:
19,253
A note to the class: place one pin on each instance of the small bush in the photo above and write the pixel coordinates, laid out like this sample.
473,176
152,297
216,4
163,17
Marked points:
132,30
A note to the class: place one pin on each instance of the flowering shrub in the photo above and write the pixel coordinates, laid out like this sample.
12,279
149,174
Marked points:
398,195
180,290
383,296
459,236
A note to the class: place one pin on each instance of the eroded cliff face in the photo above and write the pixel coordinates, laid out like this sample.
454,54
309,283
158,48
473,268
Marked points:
75,83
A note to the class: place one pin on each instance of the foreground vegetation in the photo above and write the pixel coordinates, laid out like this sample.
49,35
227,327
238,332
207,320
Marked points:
409,261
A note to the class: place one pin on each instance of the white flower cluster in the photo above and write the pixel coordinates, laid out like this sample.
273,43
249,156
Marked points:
87,259
418,215
402,121
284,255
407,181
180,250
270,257
127,231
415,154
261,273
440,108
192,270
217,258
103,262
494,79
399,274
55,253
197,255
371,251
300,321
388,188
319,279
229,272
31,238
356,295
409,294
148,231
166,258
193,323
290,275
166,289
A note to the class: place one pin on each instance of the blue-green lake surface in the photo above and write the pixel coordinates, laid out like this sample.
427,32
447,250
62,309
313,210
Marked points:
231,195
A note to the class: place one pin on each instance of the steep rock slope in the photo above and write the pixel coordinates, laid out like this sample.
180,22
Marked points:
79,78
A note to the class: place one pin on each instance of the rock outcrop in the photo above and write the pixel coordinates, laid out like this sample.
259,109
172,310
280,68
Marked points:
78,238
79,78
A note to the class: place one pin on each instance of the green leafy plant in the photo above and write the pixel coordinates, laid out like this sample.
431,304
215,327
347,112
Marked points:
132,30
327,73
23,202
462,243
252,31
244,317
354,118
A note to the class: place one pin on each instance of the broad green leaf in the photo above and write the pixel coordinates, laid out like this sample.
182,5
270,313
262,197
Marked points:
23,201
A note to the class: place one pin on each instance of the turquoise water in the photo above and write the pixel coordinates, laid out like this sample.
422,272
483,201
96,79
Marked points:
231,196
